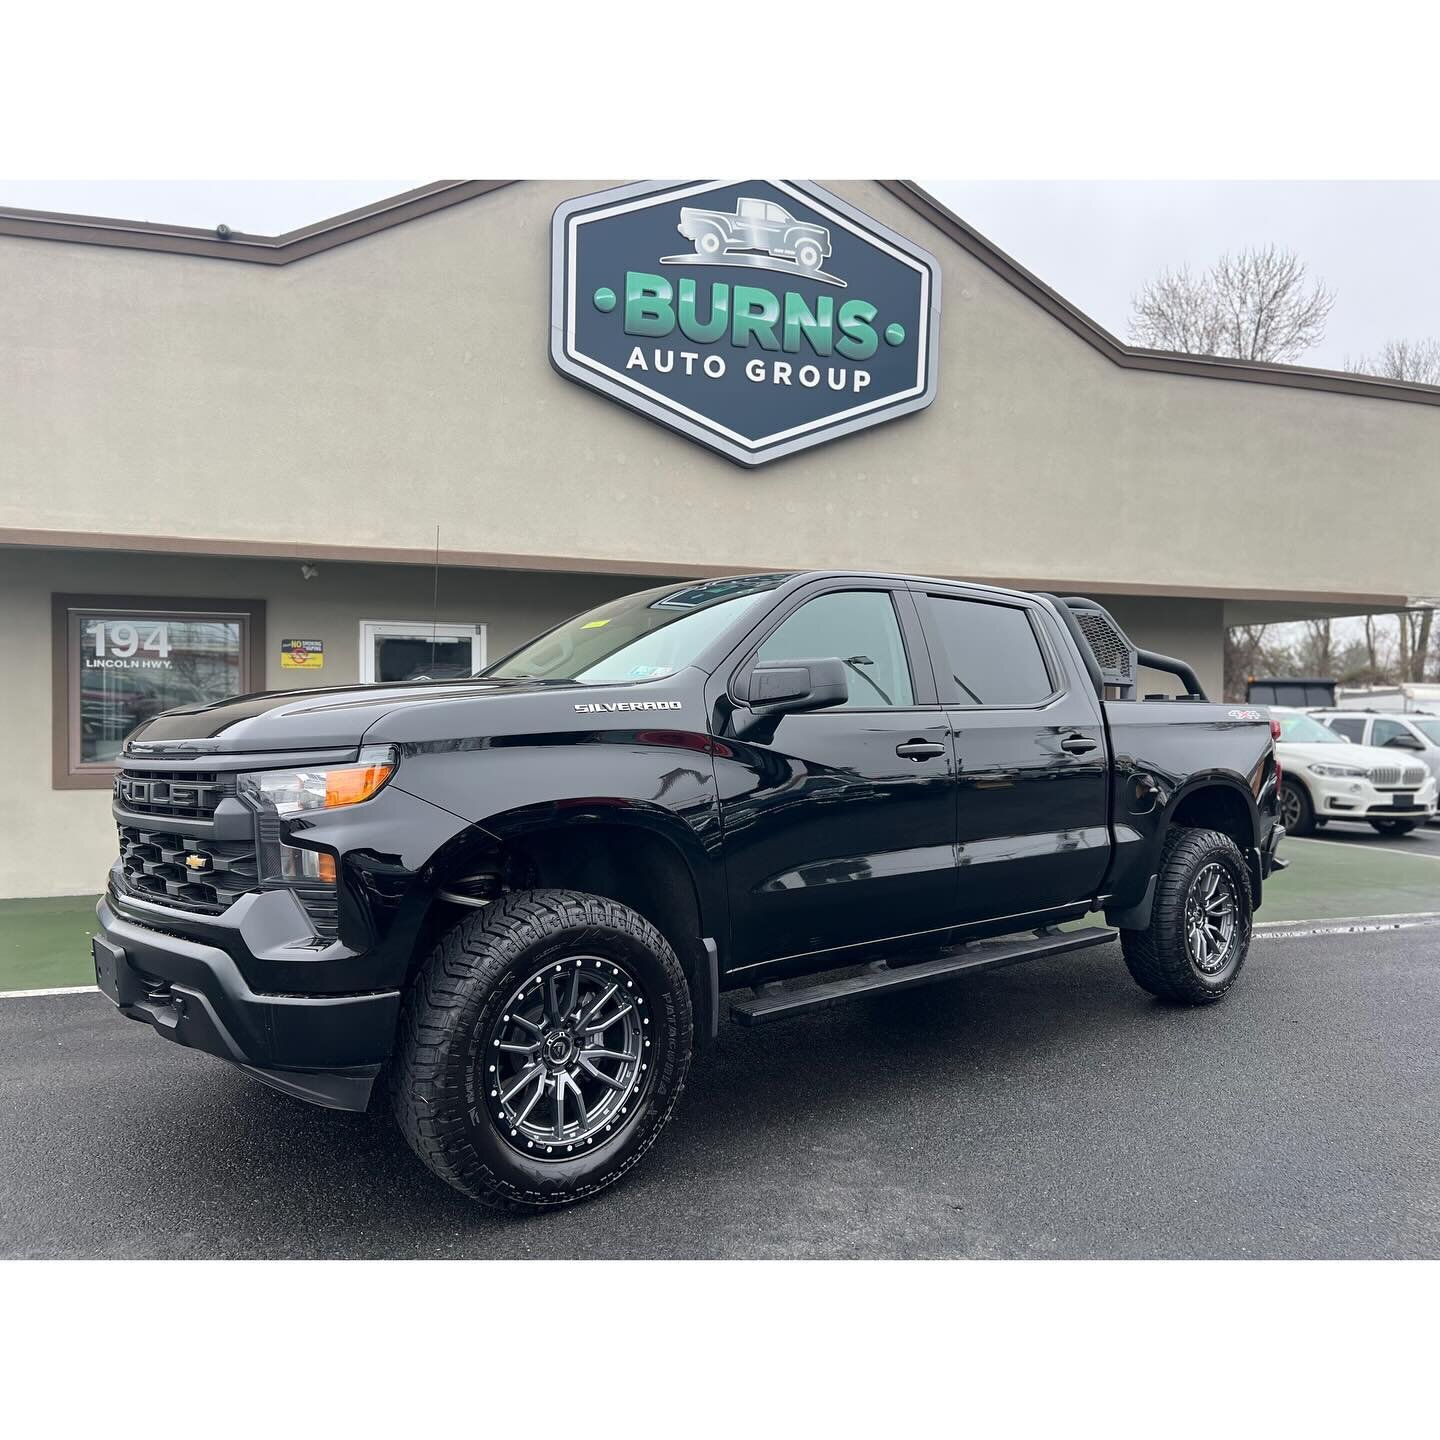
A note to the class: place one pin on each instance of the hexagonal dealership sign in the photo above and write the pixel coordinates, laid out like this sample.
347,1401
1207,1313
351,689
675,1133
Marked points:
758,317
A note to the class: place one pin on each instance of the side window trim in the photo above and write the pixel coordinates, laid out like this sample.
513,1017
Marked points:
919,675
1054,669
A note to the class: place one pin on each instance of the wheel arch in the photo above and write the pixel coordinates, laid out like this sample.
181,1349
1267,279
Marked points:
642,856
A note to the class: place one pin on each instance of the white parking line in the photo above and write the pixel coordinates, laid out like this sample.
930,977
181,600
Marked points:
58,990
1370,847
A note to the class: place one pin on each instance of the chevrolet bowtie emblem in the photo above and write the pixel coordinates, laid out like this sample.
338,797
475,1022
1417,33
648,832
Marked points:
197,862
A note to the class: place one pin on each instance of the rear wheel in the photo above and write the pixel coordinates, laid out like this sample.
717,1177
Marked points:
1297,813
1395,827
807,255
1199,931
542,1048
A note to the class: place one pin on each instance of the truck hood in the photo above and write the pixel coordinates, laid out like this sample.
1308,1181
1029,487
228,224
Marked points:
311,719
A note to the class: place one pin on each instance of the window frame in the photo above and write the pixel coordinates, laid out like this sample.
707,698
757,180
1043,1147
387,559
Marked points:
912,641
370,630
67,772
952,699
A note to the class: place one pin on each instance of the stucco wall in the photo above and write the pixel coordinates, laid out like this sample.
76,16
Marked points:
365,394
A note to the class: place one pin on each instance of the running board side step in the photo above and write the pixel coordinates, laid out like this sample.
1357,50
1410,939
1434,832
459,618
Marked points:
781,1004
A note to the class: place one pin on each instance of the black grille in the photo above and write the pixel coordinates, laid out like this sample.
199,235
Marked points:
178,794
200,875
1112,654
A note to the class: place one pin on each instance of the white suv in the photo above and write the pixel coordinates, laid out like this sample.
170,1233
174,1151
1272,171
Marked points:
1409,736
1325,777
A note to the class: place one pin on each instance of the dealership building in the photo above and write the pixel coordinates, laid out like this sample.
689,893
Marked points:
399,442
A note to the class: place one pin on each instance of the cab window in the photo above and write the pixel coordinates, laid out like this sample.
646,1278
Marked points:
988,653
1352,727
860,628
1388,730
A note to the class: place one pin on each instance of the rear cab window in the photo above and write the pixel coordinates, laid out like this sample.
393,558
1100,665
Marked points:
987,654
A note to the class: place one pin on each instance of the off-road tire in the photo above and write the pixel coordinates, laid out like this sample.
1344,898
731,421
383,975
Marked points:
1157,957
1395,827
1303,812
436,1090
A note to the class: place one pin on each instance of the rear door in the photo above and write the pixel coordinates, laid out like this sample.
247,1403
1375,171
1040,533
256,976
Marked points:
1031,825
840,828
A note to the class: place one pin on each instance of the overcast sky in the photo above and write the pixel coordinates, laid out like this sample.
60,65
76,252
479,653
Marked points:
1096,242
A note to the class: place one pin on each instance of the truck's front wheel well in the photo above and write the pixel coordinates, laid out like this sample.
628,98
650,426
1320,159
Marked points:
637,867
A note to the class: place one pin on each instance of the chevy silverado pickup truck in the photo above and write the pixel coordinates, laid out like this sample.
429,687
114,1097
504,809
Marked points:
511,904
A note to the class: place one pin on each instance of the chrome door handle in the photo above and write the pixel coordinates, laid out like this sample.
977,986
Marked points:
920,749
1078,744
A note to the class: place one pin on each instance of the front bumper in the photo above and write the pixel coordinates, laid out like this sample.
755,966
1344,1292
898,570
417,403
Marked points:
1345,798
324,1048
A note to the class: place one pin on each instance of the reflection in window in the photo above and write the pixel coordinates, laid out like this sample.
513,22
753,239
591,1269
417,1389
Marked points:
126,667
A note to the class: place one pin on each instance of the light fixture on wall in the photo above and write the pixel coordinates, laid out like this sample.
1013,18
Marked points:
308,571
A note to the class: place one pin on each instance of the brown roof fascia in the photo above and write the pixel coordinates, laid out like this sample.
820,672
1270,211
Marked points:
1132,357
256,249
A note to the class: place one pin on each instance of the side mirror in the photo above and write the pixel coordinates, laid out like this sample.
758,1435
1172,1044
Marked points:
775,688
1403,742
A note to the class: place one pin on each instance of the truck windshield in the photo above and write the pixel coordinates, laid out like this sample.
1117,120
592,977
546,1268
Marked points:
639,637
1302,730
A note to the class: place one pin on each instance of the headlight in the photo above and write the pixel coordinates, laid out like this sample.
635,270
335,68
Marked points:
286,792
1339,772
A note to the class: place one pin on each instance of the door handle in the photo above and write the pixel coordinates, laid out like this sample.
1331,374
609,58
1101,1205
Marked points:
1078,744
920,749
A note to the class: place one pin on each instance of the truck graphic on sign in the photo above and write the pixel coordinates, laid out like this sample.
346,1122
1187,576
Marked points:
757,225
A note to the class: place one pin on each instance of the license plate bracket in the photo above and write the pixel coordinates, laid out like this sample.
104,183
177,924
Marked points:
1403,802
111,969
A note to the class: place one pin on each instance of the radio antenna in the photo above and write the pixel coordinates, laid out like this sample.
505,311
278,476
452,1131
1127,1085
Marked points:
435,602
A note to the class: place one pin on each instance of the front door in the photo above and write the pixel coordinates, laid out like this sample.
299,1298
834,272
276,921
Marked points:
1031,831
839,828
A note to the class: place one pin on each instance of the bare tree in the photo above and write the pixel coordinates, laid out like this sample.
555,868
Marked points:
1255,305
1247,653
1317,648
1415,627
1415,360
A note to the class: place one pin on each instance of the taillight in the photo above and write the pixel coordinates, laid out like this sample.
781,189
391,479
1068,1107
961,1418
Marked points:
1274,728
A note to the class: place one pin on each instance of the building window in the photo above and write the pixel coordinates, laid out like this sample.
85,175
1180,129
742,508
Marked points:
419,650
121,660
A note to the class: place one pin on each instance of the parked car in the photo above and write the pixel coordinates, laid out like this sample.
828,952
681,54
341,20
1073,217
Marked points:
524,893
756,225
1413,734
1328,777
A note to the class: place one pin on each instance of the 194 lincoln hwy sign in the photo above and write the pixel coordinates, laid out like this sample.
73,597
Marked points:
758,317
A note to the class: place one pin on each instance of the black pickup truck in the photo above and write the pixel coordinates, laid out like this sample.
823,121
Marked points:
514,901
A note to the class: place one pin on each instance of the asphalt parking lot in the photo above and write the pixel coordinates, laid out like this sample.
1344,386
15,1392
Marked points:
1052,1110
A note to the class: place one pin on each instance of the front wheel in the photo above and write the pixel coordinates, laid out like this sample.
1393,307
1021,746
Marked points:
1199,932
1395,827
1297,812
542,1047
